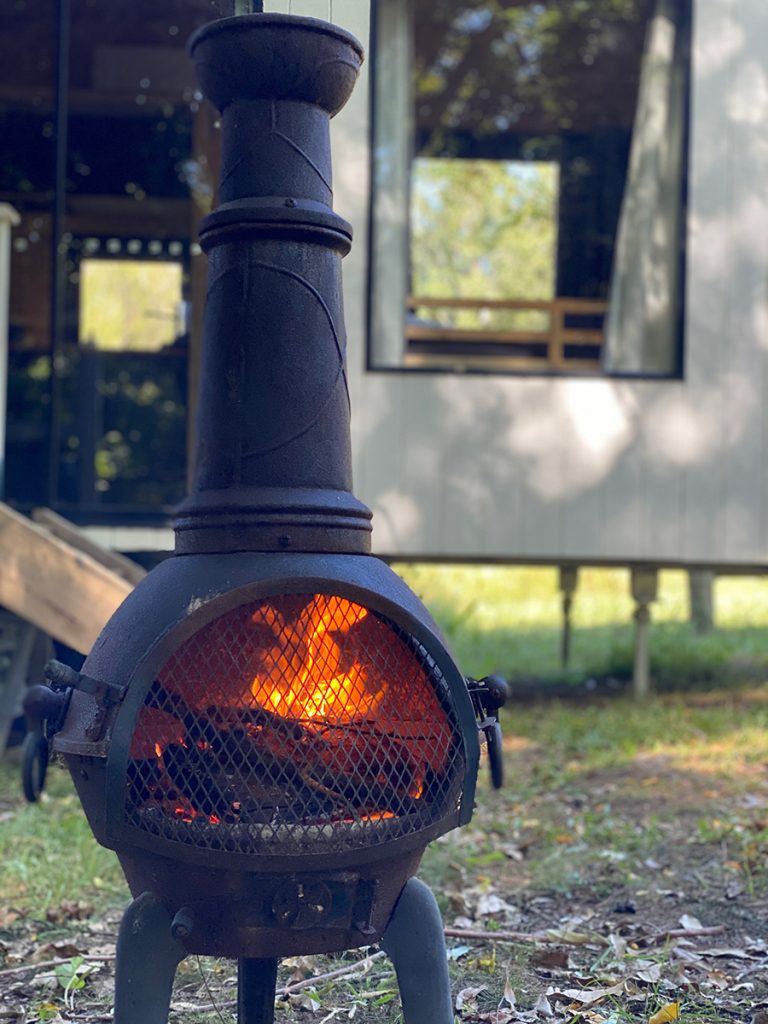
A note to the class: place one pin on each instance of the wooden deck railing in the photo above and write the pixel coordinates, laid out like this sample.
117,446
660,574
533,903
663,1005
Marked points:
549,349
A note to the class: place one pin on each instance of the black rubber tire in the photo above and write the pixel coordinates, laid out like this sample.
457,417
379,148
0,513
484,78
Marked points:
495,756
34,765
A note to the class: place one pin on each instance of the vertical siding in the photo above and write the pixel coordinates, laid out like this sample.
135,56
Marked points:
542,468
746,103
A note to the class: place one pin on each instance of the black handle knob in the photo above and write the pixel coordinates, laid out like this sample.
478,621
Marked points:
496,692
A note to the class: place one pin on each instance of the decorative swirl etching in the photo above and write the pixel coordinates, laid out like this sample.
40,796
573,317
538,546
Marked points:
274,132
341,372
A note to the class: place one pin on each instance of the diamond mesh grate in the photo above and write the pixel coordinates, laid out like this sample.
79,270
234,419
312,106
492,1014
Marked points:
302,723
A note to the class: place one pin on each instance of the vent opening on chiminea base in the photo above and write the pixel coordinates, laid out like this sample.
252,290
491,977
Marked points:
298,724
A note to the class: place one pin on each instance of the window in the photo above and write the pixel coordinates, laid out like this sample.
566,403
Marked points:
528,185
106,151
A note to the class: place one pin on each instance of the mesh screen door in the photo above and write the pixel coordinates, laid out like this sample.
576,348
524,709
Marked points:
298,723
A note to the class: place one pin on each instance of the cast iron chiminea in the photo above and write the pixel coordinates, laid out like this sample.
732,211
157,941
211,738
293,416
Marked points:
270,729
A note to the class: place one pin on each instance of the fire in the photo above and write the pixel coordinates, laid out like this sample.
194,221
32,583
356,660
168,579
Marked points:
310,670
306,707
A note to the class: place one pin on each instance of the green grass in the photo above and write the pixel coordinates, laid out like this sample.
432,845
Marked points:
47,852
509,620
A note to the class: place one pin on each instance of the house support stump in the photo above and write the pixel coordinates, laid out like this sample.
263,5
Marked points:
645,590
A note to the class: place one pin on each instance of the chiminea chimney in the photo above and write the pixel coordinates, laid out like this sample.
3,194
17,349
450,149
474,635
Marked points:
273,467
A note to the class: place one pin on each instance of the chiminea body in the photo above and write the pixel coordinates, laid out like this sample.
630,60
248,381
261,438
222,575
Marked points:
271,728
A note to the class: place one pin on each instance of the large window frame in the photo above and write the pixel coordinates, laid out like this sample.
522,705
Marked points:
611,334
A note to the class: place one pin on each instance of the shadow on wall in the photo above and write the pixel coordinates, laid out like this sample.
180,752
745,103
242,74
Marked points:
492,466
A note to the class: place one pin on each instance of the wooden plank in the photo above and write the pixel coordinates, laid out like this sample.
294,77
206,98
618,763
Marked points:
64,592
577,336
72,535
417,332
572,306
512,304
495,364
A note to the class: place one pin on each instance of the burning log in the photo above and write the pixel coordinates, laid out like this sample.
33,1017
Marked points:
233,764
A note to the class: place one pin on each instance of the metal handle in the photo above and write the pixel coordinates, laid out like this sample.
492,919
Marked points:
488,696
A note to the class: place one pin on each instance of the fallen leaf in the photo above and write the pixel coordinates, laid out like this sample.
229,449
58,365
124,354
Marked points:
667,1013
54,950
572,938
500,1017
691,924
551,958
69,910
7,916
305,1002
649,974
467,997
490,903
543,1007
587,996
509,996
512,852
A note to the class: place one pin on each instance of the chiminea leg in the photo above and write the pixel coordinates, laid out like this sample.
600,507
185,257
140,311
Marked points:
147,958
415,943
256,986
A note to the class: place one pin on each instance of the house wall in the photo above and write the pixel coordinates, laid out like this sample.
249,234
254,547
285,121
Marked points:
619,470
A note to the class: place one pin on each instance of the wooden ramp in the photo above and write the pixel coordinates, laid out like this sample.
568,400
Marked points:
54,582
57,579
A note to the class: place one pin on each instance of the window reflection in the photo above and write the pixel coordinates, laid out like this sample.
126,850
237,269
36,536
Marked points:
111,175
514,143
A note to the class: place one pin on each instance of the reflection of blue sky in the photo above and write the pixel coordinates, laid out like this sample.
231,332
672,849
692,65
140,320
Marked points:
473,21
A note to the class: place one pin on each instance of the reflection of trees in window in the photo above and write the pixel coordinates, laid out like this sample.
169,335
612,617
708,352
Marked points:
484,67
483,228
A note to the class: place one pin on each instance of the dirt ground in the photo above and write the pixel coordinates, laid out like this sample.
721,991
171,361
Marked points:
632,892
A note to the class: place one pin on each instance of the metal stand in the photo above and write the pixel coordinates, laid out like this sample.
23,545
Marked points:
148,955
147,958
256,987
415,943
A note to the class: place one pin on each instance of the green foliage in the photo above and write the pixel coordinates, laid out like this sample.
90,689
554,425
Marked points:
486,66
484,229
511,622
71,977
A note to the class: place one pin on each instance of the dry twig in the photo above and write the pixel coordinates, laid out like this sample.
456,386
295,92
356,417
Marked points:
45,964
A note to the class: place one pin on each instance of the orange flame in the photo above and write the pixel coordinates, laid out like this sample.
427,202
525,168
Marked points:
310,671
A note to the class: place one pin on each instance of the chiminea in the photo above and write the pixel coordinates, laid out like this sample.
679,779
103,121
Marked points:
270,729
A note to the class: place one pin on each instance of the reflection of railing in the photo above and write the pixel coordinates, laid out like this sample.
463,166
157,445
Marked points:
572,339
